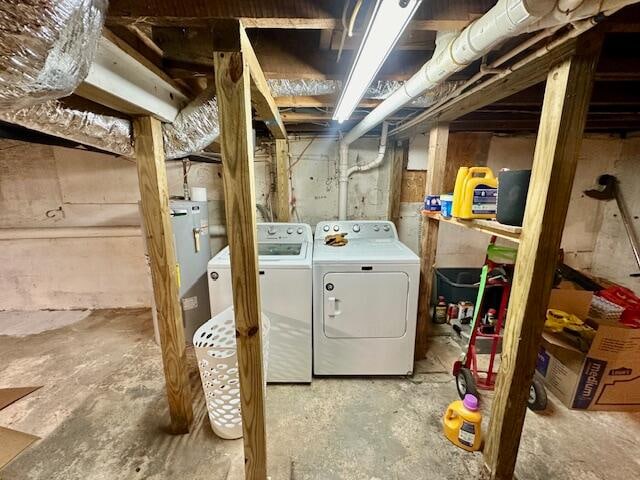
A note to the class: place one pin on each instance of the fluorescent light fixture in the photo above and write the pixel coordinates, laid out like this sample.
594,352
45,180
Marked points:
389,20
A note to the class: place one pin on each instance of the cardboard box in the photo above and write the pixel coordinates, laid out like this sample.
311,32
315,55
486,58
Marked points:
607,377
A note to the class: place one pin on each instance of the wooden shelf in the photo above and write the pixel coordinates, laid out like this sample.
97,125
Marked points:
490,227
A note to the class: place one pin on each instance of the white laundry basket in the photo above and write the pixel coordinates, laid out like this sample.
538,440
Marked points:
215,347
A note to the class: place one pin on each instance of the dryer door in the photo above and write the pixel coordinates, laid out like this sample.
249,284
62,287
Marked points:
365,305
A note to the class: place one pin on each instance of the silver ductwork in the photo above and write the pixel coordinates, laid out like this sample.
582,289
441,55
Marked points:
378,90
104,132
195,128
46,48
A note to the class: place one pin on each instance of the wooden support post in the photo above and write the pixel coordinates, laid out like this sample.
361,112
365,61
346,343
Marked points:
435,184
564,112
154,192
234,102
399,155
282,181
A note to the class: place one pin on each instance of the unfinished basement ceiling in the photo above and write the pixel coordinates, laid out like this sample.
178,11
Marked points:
301,40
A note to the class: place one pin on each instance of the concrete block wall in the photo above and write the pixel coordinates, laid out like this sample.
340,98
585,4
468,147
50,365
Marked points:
44,186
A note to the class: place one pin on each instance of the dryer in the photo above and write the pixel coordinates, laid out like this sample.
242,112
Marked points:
285,266
365,300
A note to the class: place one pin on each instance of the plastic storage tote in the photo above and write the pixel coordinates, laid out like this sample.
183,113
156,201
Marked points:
215,348
457,284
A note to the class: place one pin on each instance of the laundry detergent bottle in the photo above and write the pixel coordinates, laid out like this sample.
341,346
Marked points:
478,197
463,422
458,190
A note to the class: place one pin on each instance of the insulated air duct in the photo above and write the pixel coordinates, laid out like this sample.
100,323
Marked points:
46,48
111,134
195,128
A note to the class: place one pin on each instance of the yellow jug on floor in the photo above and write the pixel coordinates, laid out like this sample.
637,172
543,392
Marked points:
476,195
463,424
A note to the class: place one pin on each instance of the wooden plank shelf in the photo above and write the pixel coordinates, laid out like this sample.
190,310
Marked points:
490,227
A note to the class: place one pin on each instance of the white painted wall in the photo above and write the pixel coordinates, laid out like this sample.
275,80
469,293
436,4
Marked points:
314,181
612,256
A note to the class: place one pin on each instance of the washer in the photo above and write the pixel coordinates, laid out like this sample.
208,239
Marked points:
365,300
285,263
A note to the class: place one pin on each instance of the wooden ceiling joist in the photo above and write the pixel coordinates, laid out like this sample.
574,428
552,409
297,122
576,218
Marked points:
283,14
490,91
281,55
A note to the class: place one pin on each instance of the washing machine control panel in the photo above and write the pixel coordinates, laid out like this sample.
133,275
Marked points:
358,229
284,232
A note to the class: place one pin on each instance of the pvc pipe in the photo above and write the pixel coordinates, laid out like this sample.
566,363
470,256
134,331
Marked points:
506,19
379,157
345,172
343,180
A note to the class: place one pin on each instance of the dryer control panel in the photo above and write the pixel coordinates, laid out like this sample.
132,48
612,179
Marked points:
369,229
288,232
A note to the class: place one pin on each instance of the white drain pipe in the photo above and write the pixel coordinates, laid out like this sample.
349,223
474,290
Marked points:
345,172
508,18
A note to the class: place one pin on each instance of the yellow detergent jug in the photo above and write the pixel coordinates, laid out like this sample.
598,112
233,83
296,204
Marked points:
463,423
478,196
457,190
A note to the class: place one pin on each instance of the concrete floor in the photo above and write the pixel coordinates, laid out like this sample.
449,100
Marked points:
102,414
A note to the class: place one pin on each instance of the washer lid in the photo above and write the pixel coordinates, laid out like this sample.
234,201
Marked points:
365,251
277,257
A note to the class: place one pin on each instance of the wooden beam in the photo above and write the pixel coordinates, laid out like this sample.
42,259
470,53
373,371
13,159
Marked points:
521,76
564,111
154,195
226,35
282,14
282,181
233,92
261,97
399,155
317,116
281,54
320,101
436,164
410,40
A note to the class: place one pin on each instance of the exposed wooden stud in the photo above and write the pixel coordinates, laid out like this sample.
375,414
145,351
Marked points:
399,156
233,92
437,157
564,111
282,181
154,193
